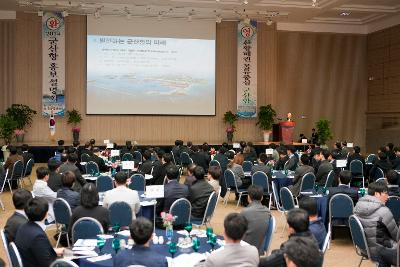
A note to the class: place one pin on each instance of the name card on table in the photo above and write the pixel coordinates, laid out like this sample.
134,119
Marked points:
107,141
236,145
128,165
269,151
155,191
350,144
114,152
304,141
110,145
341,163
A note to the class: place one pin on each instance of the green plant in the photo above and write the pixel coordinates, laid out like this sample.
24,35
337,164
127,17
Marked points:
230,118
324,131
266,117
21,114
7,127
74,117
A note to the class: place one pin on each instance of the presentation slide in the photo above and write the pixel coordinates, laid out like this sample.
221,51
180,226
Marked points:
150,75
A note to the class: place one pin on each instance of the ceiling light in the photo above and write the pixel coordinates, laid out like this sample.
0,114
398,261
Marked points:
269,22
218,19
64,14
346,13
40,13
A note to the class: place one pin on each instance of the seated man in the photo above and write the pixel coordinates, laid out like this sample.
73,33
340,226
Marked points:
260,166
214,173
31,239
141,254
40,189
190,179
147,164
280,164
199,193
301,252
324,167
317,227
122,193
383,163
344,187
298,223
392,178
291,164
25,154
234,253
379,226
99,161
299,173
70,165
19,198
9,165
257,217
54,181
72,197
160,171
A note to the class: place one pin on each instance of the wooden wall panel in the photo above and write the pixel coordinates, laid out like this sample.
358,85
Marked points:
7,60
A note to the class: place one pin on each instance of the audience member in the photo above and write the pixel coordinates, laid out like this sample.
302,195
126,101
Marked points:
301,252
20,198
389,151
160,171
299,173
355,156
292,161
383,163
221,158
31,239
261,165
234,253
199,193
200,158
314,136
283,158
396,160
66,192
275,153
257,217
324,167
99,161
176,151
317,227
141,254
392,178
40,189
214,172
235,165
54,181
26,155
190,179
128,148
344,187
147,164
379,226
9,165
122,193
89,207
70,165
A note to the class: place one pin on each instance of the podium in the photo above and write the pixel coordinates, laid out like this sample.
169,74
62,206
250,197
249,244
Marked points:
286,131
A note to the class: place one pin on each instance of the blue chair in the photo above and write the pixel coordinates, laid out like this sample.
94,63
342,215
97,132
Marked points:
357,170
62,214
15,257
127,157
115,158
186,160
64,263
137,156
247,166
85,157
327,239
120,213
340,208
371,158
5,245
104,183
138,182
230,182
261,179
330,179
307,182
215,162
92,167
86,228
209,212
359,239
182,209
269,233
17,173
393,203
287,202
28,170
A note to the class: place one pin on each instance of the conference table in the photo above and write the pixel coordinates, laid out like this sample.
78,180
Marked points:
184,257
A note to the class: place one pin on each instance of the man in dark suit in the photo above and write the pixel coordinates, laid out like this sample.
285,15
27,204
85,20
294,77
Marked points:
291,164
299,173
147,164
324,168
173,190
200,158
54,181
280,164
396,161
344,187
355,156
20,198
221,158
383,163
177,150
70,165
199,193
392,178
128,148
25,154
31,239
160,171
85,150
261,165
141,254
99,161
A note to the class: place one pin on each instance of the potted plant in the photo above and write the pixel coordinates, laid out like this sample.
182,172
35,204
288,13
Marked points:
324,131
230,118
74,118
7,127
266,117
23,117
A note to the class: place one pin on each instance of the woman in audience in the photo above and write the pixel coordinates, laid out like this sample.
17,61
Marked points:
190,179
214,172
235,165
90,208
72,197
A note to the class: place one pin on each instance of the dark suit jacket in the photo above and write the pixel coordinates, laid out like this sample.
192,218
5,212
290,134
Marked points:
100,162
199,193
393,190
298,174
73,198
353,157
26,156
12,225
223,161
280,164
99,213
343,189
172,191
324,168
34,246
396,163
159,173
201,159
139,255
292,163
54,181
385,165
146,166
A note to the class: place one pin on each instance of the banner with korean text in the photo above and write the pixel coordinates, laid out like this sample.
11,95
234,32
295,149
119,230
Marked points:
247,70
53,61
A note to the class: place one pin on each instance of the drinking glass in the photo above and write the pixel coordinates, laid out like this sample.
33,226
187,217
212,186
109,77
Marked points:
100,243
172,248
189,228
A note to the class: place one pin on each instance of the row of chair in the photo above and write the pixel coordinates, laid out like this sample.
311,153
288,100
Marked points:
134,156
105,183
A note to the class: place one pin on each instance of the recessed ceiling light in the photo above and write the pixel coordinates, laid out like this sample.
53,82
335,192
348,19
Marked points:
345,13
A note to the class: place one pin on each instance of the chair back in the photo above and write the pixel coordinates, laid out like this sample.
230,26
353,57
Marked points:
307,182
326,241
138,182
261,179
230,180
62,211
86,228
340,207
104,183
120,213
358,237
379,173
17,170
92,168
356,167
381,180
182,209
269,233
247,166
28,167
5,245
15,257
371,158
210,208
85,157
215,162
330,179
64,263
127,157
276,196
185,159
287,199
137,156
393,203
115,158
